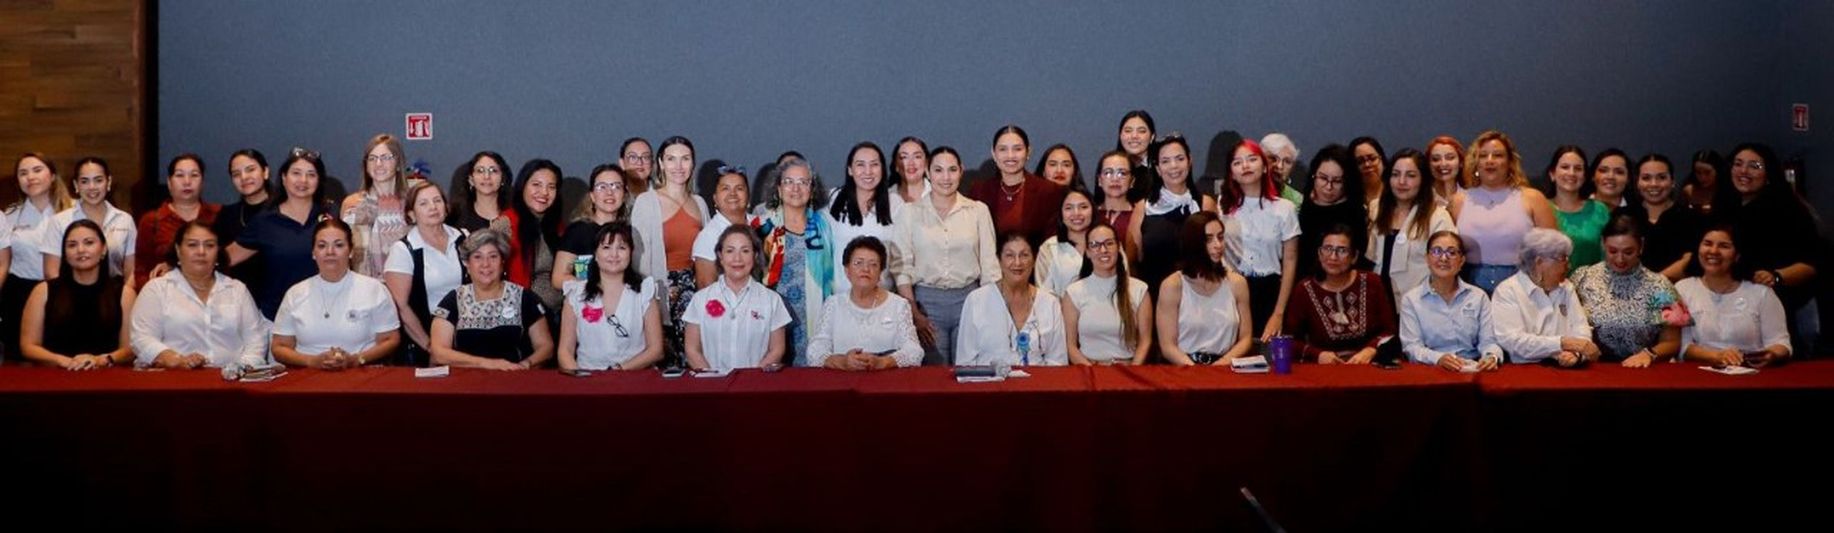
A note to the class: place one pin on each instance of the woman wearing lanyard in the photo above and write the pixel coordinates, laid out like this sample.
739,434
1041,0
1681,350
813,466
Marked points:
1012,322
1261,231
868,327
1203,307
943,249
611,319
41,193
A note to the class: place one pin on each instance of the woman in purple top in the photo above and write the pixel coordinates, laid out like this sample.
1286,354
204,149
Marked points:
1494,215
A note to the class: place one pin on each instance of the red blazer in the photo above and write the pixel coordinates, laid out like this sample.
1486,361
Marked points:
1039,208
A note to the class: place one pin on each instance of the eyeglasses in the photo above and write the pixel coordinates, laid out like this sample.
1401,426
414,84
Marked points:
635,157
1327,180
1562,258
1337,251
1114,173
487,171
795,182
865,263
302,152
608,186
618,327
1444,252
1102,245
1371,158
384,158
1753,164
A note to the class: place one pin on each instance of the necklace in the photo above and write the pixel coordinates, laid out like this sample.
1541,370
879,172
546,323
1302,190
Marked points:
1009,194
326,295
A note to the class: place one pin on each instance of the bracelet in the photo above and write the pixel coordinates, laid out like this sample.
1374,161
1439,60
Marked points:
1776,277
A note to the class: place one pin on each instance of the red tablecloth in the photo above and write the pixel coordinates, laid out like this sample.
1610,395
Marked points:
1327,448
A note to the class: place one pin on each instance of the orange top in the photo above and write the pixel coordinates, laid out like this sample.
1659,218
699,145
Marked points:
678,233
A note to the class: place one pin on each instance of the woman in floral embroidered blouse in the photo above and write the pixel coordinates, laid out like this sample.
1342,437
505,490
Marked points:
1343,315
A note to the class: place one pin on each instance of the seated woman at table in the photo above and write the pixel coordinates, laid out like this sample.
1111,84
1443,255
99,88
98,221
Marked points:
1343,314
737,322
1203,314
336,319
1535,314
194,316
1736,321
867,327
1633,310
1445,322
1015,321
1103,323
610,319
490,323
68,319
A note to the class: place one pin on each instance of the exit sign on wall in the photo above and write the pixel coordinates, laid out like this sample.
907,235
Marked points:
419,126
1799,117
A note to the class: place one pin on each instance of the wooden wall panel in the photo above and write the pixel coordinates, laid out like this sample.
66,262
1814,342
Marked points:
72,84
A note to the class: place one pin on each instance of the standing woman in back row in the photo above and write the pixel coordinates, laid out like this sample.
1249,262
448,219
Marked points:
1136,136
1261,237
1170,198
283,234
1497,213
1021,202
862,207
942,250
41,193
93,184
668,217
159,230
376,212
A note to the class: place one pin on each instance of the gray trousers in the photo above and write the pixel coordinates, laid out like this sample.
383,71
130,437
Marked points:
944,307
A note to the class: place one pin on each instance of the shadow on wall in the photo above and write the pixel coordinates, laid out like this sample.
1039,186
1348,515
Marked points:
1216,162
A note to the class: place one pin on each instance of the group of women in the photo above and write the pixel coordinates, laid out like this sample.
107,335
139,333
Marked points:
1444,257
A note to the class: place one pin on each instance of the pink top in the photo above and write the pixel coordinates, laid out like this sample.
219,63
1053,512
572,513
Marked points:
1493,224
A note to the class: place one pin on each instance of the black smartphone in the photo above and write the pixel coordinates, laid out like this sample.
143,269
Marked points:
673,372
576,372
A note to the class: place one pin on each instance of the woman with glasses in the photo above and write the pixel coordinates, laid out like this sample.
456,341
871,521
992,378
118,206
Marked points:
1536,312
1777,237
667,218
1170,199
93,185
1108,315
942,249
1404,217
639,160
1370,158
797,261
1261,232
490,322
1332,202
1343,314
283,234
1282,159
158,230
376,211
479,200
1445,322
864,206
1018,199
604,204
1494,215
611,319
868,327
1013,322
1114,178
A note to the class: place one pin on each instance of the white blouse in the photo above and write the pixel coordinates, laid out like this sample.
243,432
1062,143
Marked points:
1057,266
1409,253
443,271
227,330
869,227
1206,324
117,226
951,250
1098,322
348,314
988,335
1255,235
706,243
1530,322
844,326
1748,319
23,229
601,344
736,332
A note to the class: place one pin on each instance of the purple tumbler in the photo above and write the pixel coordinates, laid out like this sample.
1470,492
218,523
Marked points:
1280,354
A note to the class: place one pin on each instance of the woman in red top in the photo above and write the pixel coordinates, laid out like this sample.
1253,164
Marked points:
159,228
1021,201
1344,314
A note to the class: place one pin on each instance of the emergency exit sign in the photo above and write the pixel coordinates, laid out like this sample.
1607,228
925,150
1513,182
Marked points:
1799,117
419,126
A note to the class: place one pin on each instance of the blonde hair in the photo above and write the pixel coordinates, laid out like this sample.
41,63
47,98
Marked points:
60,189
1513,170
394,149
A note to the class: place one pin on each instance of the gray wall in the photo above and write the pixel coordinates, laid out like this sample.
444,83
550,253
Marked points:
747,80
1808,67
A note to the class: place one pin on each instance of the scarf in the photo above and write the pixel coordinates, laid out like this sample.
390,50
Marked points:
819,261
1169,202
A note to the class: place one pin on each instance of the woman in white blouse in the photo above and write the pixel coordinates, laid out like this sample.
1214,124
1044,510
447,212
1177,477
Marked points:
1535,312
422,268
1104,323
864,206
738,322
337,319
1262,232
93,184
195,316
942,248
1736,322
1203,307
610,319
1402,219
41,193
1060,259
867,327
1013,322
731,202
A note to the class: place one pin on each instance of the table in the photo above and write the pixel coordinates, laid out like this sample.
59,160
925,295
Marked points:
1156,447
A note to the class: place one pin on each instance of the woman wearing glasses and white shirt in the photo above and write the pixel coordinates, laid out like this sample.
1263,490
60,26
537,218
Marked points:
194,316
610,319
1535,312
1107,316
867,327
1445,321
1013,322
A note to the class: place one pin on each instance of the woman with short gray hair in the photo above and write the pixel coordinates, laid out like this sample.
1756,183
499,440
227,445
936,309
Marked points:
1536,311
490,322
